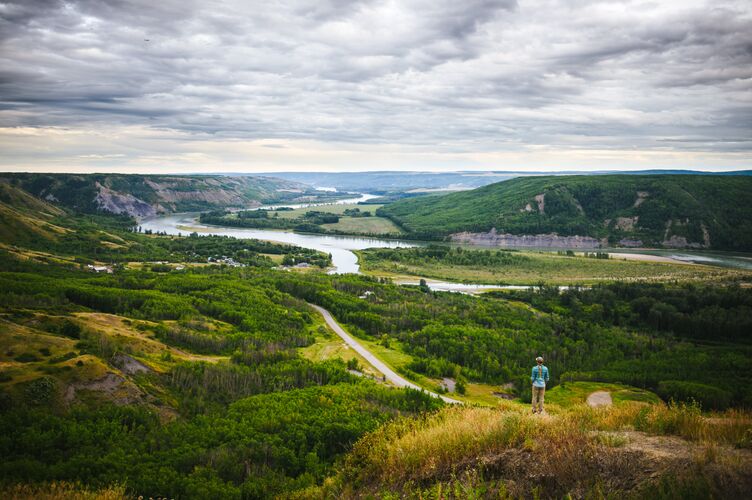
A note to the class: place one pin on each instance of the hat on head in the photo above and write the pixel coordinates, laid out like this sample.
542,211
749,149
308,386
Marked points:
539,359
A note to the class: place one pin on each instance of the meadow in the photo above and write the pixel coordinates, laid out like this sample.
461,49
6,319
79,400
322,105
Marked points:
355,219
505,267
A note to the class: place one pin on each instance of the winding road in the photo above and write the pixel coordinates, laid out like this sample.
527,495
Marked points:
390,374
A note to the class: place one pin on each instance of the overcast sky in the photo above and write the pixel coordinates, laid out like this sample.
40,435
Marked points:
183,86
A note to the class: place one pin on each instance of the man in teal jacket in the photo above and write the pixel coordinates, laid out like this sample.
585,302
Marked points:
539,378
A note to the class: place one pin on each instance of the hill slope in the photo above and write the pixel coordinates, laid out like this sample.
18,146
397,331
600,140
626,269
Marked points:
144,195
24,218
687,211
628,451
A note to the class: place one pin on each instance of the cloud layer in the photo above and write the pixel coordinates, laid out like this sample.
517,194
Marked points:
421,84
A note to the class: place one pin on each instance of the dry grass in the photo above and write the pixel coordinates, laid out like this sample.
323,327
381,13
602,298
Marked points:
62,491
463,452
732,427
458,438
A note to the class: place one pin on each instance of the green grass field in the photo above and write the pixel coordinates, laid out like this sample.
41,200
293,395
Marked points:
364,225
329,346
372,225
551,268
337,209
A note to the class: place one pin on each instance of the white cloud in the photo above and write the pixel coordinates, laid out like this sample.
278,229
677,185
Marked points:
382,84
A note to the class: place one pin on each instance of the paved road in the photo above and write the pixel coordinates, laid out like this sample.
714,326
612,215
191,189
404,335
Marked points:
390,374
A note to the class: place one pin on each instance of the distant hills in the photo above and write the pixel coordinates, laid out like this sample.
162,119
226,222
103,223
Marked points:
384,182
145,195
394,181
675,211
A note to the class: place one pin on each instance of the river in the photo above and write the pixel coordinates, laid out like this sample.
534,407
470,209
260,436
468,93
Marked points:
345,261
340,247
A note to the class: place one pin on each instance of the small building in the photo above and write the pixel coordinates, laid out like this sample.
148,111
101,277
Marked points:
99,269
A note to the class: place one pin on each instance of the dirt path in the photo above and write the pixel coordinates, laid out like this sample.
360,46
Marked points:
390,374
599,398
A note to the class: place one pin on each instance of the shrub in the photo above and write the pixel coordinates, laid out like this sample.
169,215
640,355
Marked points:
63,357
708,396
70,329
460,387
41,390
60,490
26,357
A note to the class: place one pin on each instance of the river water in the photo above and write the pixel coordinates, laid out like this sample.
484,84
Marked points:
340,247
345,261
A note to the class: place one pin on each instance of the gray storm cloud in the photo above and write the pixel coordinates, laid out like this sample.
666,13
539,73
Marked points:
476,75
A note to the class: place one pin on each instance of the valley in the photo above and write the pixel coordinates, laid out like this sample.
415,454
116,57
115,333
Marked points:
170,345
375,250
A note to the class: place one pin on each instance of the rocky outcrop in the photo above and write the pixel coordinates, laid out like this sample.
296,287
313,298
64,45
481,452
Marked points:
626,223
129,365
503,240
678,241
148,195
630,243
123,203
641,197
230,193
681,242
111,387
541,200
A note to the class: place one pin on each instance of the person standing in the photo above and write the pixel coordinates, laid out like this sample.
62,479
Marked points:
539,378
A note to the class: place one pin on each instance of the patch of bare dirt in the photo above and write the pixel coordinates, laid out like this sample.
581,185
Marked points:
129,365
626,223
111,386
599,398
641,197
540,199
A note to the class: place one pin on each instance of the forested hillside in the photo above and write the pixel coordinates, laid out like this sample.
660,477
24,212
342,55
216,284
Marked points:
695,211
182,367
145,360
37,229
143,195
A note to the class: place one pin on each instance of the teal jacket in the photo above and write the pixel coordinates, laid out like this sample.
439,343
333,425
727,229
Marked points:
539,377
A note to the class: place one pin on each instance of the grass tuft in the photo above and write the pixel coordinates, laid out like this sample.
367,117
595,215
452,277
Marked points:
62,491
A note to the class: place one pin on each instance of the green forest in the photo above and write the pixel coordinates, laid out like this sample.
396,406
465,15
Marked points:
703,211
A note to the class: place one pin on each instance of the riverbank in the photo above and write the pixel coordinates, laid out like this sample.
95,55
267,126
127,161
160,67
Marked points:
537,266
456,271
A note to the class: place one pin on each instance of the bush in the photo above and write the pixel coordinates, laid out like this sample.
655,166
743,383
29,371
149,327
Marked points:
708,396
26,357
460,387
41,390
70,329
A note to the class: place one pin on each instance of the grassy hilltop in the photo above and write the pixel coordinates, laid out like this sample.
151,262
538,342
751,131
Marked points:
702,211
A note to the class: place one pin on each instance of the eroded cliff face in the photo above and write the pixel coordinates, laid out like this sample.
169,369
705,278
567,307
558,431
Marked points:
147,195
123,203
230,193
504,240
